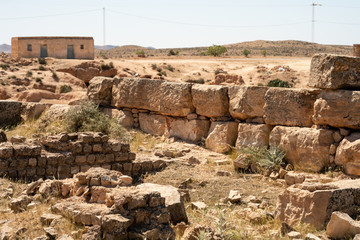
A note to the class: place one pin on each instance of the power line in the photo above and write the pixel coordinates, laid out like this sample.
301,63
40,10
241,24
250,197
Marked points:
206,25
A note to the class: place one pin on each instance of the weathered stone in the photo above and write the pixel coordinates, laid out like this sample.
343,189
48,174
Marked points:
234,196
313,203
348,154
246,102
33,110
341,225
294,178
19,204
47,218
311,236
153,124
334,72
173,200
10,113
222,135
294,235
124,118
305,148
169,98
199,205
189,130
338,109
57,111
116,223
210,100
241,162
6,150
253,135
99,90
290,107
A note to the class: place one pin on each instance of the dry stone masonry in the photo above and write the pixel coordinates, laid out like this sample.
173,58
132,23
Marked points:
63,155
309,124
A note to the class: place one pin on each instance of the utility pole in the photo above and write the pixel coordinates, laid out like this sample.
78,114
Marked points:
313,21
103,28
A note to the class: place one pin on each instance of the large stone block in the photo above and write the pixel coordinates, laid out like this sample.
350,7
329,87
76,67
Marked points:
210,100
246,102
33,110
100,89
125,118
152,123
164,97
338,109
222,135
313,203
348,154
253,135
10,113
290,107
334,72
188,130
305,148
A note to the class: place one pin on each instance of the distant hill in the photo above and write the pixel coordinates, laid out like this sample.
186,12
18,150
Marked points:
5,48
273,48
107,47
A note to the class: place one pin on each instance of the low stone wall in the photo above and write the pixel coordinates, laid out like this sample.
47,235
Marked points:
61,156
309,124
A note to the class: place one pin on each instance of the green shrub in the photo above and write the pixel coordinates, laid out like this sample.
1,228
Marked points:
42,61
42,68
153,66
12,77
54,75
170,68
159,69
246,52
65,89
38,80
279,83
263,52
162,73
216,50
140,53
87,117
29,74
173,53
4,66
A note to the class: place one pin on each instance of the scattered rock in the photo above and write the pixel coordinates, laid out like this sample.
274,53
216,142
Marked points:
294,235
223,173
294,178
341,225
286,228
193,160
199,205
234,197
47,219
311,236
19,204
51,232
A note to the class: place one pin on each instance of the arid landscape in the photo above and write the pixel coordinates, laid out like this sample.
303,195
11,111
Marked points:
182,147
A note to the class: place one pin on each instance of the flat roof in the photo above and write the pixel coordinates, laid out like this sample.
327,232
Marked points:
56,37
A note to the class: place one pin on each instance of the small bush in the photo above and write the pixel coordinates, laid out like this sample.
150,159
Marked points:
65,89
29,74
198,81
162,73
173,53
42,68
263,52
4,66
153,66
12,77
246,52
38,80
279,83
42,61
107,66
170,68
140,53
216,50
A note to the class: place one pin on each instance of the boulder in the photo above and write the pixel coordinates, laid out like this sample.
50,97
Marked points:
19,204
222,136
125,118
334,72
253,135
164,97
188,130
341,225
33,110
173,200
348,154
152,123
313,203
246,102
57,111
290,107
305,148
99,90
338,109
210,100
10,113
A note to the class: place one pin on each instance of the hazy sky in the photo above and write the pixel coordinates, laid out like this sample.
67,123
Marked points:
182,23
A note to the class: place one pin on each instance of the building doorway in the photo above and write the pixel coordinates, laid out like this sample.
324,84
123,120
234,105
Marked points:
43,51
70,52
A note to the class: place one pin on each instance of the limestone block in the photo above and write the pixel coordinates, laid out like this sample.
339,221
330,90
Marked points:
246,102
313,203
153,124
334,72
99,90
253,135
33,110
210,100
339,108
125,118
164,97
290,107
221,136
341,225
188,130
348,154
305,148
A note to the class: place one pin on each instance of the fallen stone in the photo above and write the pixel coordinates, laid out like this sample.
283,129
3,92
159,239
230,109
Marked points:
47,218
334,72
242,162
294,235
234,196
223,173
193,160
341,225
222,136
19,204
305,148
311,236
51,232
348,154
294,178
199,205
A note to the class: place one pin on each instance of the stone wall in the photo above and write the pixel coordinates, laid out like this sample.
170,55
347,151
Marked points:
308,124
61,156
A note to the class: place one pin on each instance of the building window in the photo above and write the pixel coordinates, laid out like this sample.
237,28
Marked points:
81,46
29,47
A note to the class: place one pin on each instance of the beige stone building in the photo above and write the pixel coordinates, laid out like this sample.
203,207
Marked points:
56,47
